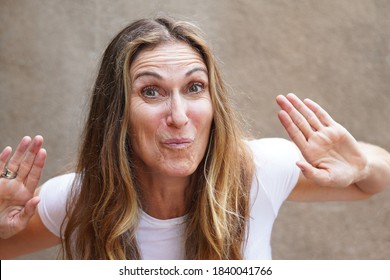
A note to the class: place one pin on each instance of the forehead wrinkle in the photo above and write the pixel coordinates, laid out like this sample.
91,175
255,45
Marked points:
177,54
162,60
160,72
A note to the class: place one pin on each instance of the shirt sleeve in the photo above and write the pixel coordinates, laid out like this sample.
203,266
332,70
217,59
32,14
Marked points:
52,207
275,168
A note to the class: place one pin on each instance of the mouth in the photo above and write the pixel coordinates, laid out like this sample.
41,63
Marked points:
178,143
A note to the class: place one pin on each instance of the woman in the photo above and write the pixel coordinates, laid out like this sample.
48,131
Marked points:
164,171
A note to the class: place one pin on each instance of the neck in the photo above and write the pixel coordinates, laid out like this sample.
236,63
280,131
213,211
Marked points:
164,197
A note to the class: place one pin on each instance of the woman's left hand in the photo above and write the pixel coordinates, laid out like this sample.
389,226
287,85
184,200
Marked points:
332,156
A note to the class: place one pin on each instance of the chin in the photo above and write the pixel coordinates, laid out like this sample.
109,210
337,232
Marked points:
180,171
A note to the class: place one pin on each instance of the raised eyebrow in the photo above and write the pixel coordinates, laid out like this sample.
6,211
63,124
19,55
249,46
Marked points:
195,70
148,73
158,76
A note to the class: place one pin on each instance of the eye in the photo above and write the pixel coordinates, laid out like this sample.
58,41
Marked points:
150,92
196,87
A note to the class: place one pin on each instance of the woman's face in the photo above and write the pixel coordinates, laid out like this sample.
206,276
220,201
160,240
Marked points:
171,111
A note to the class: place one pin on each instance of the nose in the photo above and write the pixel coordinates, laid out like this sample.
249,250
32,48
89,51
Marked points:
177,116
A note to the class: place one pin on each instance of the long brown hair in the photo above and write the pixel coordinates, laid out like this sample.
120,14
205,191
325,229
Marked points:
105,206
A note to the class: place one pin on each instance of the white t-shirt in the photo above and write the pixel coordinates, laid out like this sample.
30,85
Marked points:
275,176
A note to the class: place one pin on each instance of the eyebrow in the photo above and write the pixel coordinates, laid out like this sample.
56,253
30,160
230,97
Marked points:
195,70
158,76
148,73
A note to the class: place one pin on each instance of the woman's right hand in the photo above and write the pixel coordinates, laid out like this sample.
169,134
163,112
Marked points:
17,193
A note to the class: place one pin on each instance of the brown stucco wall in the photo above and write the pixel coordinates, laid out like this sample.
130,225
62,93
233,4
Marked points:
336,52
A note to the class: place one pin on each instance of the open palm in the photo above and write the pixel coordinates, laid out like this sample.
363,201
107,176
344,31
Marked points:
17,200
332,156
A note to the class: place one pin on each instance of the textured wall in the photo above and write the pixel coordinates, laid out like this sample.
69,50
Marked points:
336,52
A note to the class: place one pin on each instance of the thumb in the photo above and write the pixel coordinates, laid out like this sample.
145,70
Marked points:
307,169
29,209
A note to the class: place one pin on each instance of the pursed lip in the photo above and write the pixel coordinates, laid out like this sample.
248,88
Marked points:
178,142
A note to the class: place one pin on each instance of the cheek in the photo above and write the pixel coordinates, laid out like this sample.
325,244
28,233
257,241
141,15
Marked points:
144,122
202,114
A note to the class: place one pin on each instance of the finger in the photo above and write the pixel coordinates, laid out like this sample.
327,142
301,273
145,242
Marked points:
308,114
36,171
16,159
28,160
321,114
295,116
4,156
293,131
